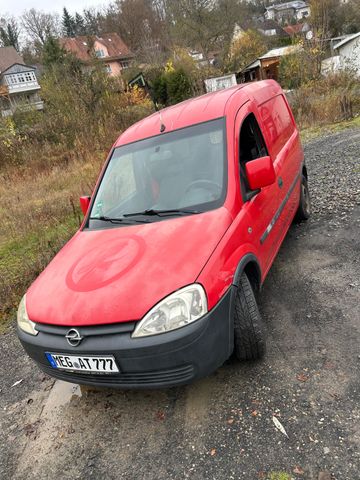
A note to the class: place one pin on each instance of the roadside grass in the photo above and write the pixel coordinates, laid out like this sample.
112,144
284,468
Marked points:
39,212
311,133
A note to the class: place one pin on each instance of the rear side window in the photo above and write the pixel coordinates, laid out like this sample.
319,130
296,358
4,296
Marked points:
278,124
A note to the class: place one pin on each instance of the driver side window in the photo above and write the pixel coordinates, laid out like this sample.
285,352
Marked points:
252,146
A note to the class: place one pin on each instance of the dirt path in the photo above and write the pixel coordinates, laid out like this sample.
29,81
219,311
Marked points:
222,427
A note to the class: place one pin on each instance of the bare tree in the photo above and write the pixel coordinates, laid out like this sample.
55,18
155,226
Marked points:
39,26
139,23
321,17
203,24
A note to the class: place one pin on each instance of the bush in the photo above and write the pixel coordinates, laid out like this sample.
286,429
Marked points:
326,100
82,111
178,87
300,67
172,86
181,79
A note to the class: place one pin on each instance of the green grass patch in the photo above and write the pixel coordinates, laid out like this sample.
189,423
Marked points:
278,476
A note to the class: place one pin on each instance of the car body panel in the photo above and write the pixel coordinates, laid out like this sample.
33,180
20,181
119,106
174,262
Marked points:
117,274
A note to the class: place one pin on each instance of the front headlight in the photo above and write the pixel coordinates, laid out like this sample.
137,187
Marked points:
175,311
23,320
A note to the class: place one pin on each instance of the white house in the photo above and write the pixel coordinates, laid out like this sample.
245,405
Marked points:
349,52
285,12
220,83
347,55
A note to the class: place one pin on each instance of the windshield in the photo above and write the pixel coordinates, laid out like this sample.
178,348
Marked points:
182,171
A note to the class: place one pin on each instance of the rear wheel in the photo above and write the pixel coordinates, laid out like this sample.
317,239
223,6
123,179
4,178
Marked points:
249,334
304,209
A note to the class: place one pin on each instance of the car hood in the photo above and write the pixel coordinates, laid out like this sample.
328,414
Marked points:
118,274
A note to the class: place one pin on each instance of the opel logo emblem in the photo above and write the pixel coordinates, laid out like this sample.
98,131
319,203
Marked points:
73,337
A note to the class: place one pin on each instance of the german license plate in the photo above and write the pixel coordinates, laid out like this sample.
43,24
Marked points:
82,363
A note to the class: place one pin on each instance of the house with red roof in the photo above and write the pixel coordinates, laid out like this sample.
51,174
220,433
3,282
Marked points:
297,30
110,49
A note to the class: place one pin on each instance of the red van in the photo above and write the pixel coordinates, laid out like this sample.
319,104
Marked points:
158,286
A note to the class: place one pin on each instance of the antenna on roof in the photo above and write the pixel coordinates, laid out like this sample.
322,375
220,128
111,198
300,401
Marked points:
162,126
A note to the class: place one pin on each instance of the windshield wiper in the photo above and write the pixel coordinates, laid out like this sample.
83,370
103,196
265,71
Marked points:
118,220
162,213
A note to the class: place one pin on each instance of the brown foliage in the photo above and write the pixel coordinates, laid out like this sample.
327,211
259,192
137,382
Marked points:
326,100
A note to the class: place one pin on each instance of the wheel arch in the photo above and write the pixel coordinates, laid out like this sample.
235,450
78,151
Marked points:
250,265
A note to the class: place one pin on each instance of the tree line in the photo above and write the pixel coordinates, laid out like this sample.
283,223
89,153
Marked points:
151,27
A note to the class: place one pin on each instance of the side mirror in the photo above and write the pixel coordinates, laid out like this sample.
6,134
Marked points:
84,204
260,173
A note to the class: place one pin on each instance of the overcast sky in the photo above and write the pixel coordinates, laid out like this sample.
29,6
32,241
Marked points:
16,7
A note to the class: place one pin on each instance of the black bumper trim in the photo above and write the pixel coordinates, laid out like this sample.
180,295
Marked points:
126,380
164,360
86,331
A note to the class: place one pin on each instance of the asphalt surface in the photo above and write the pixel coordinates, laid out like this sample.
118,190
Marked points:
222,427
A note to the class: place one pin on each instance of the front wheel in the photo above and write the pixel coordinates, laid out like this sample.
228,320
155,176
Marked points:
249,332
304,208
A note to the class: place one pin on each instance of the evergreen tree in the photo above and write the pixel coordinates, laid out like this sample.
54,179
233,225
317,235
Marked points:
92,20
178,86
9,35
79,24
68,24
52,52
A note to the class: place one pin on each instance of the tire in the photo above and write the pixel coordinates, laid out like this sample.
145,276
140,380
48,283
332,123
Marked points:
249,334
304,208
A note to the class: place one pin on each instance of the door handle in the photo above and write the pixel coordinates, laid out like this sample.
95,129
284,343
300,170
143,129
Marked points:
280,182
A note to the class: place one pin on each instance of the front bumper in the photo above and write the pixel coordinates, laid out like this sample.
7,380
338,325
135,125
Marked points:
165,360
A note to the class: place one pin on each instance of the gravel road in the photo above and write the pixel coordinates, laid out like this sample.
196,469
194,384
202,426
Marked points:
222,427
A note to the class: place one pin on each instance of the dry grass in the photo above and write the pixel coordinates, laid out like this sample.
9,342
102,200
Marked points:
39,212
325,101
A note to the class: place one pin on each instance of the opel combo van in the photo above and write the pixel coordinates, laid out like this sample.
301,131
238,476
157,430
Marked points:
159,285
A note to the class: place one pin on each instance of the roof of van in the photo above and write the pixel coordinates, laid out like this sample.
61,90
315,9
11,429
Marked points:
199,109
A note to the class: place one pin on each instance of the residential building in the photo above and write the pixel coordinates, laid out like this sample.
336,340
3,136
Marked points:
19,87
220,83
297,30
266,66
348,51
202,61
270,28
110,49
345,55
287,12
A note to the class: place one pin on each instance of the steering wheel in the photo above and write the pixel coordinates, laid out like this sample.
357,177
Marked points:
207,184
